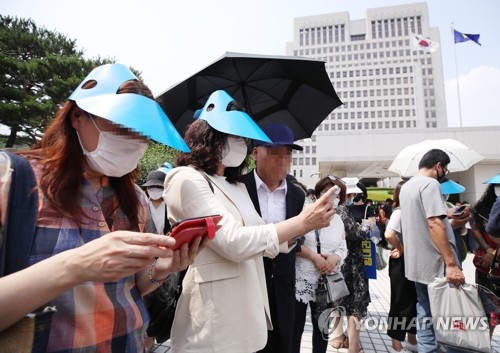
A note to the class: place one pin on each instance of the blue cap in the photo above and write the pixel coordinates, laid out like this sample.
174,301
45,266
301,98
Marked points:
232,122
165,167
450,187
134,111
280,135
493,180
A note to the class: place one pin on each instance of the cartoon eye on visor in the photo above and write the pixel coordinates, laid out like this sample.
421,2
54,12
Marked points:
226,115
133,111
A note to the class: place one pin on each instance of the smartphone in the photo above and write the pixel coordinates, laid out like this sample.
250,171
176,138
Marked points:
459,210
184,231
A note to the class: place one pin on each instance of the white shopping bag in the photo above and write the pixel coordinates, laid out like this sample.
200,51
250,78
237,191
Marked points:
458,316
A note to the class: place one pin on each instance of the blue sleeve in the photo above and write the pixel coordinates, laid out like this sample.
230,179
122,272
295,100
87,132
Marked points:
493,225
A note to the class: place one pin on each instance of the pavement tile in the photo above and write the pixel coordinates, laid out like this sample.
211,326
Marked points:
373,340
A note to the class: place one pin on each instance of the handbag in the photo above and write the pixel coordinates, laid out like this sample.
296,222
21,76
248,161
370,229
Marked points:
330,287
336,286
161,305
382,258
458,316
31,333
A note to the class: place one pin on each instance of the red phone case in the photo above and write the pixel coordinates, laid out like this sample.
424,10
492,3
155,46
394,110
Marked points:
186,230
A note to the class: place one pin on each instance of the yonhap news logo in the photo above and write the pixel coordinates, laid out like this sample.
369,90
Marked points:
331,318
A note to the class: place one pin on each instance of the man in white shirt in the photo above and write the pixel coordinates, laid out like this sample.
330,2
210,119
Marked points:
277,199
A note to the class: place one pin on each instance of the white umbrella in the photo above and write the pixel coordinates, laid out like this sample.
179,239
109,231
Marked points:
461,156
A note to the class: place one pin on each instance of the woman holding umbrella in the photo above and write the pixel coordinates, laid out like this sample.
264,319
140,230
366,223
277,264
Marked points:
224,305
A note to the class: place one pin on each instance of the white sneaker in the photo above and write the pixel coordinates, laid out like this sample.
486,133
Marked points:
404,350
411,347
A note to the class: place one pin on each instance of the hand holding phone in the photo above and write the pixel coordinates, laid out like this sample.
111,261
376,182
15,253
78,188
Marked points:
459,211
184,231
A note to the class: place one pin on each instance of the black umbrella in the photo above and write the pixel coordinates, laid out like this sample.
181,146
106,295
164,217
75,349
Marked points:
288,89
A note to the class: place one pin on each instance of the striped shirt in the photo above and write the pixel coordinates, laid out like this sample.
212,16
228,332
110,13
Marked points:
93,316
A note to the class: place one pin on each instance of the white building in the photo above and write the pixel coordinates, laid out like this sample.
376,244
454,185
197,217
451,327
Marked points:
388,86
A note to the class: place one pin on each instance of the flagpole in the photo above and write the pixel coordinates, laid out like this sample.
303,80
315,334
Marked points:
456,74
414,68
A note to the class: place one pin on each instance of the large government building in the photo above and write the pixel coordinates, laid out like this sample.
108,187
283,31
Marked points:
393,95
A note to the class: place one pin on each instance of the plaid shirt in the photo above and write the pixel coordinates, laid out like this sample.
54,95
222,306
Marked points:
93,316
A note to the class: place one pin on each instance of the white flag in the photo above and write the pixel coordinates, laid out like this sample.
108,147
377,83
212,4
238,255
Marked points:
423,43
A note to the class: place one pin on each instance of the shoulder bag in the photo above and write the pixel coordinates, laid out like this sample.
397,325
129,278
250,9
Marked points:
331,287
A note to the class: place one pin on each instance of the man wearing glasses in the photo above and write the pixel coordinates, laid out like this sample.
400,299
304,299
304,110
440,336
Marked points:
429,242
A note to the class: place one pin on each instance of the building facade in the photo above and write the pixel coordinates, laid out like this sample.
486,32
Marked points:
385,81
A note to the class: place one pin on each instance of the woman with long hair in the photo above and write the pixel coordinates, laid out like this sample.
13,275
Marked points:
85,167
403,310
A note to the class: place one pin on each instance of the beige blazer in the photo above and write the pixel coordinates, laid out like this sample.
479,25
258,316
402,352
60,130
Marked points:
224,305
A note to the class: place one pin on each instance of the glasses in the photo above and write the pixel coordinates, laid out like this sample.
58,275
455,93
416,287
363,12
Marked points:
333,178
446,171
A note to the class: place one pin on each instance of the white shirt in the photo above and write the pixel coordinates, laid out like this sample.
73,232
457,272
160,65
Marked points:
272,203
158,215
332,242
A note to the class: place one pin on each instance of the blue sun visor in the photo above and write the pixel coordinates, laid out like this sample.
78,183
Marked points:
133,111
450,187
493,180
232,122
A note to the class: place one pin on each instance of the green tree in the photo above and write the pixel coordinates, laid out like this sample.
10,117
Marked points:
155,155
38,71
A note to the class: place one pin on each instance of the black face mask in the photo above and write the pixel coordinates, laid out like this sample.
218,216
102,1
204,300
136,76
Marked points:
440,177
358,197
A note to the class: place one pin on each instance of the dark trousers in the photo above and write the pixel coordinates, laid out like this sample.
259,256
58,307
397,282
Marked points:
276,343
319,340
403,311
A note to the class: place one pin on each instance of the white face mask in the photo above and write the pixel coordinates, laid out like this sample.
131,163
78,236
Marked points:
497,190
114,155
235,152
155,193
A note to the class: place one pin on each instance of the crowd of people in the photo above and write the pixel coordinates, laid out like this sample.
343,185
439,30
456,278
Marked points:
98,244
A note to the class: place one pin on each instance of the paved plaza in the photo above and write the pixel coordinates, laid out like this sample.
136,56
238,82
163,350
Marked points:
373,340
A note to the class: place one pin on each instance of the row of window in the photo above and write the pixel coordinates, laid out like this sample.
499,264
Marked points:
396,27
306,150
372,114
381,93
304,161
391,81
360,47
369,125
361,56
322,35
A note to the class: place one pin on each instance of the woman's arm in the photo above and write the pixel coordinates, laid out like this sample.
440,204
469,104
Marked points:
189,195
312,256
313,216
111,257
179,261
392,238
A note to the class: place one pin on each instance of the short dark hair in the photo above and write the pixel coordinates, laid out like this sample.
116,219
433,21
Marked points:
327,181
397,190
432,157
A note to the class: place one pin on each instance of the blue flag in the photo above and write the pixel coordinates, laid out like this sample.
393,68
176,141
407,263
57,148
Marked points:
464,37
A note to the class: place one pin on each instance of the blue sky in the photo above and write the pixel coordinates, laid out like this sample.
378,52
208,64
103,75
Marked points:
170,40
